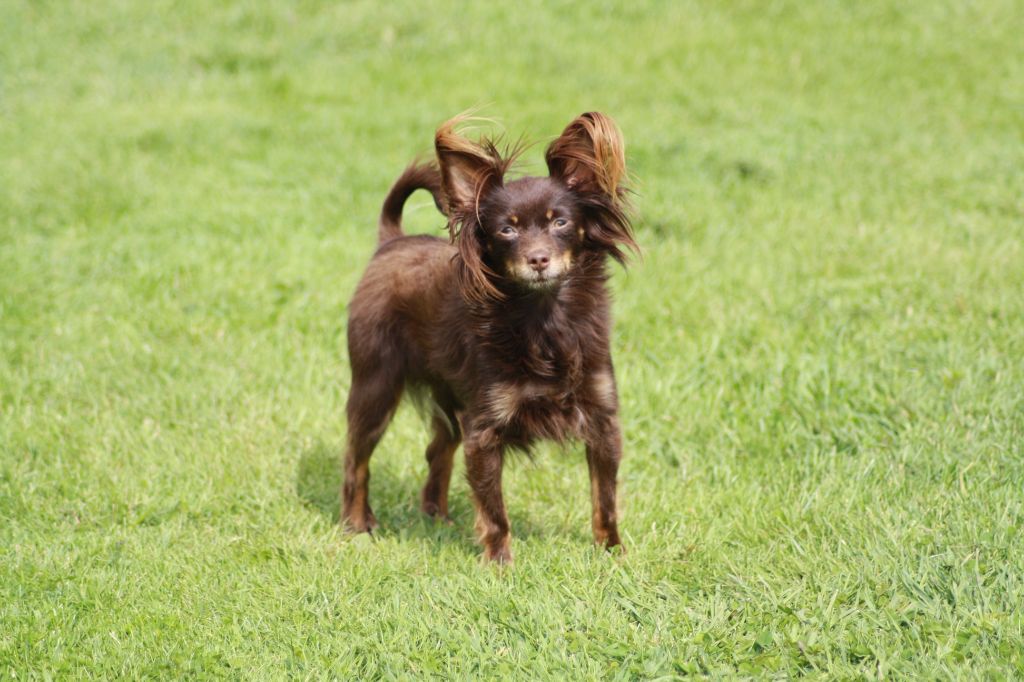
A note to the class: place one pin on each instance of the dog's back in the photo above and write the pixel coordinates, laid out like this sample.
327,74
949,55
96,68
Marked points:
401,291
396,302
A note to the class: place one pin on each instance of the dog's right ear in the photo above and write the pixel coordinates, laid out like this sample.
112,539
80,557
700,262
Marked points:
468,171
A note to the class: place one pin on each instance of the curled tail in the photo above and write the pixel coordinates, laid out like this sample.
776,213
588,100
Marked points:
417,176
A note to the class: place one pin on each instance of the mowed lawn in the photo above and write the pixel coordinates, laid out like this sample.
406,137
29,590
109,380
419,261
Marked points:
820,352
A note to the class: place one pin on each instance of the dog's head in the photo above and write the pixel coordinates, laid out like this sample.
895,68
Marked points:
531,233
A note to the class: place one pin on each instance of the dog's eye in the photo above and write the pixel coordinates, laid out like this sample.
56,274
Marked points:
560,222
508,231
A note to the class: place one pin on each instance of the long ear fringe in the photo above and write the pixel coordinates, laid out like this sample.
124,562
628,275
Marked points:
609,227
589,157
475,277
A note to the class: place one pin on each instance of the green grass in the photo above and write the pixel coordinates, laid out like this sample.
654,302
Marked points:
821,354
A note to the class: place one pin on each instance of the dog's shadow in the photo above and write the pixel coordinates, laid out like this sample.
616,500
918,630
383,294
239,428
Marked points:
394,495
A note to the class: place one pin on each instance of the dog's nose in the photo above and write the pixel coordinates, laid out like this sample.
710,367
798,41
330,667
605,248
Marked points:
538,260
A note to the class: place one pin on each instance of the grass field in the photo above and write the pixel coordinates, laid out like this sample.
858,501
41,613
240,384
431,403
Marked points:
821,352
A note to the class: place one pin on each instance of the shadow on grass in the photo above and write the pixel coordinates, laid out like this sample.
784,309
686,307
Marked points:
395,500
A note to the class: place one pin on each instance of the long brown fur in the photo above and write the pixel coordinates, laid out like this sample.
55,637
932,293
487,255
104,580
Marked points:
505,328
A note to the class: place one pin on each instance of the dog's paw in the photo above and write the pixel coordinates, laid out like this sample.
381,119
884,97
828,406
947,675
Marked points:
362,523
500,555
432,510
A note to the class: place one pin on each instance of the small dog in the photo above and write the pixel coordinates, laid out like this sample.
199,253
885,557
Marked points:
504,330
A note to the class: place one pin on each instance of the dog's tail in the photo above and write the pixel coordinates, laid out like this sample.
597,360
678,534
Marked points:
417,176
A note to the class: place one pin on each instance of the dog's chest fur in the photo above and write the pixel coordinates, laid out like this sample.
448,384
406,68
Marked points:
538,383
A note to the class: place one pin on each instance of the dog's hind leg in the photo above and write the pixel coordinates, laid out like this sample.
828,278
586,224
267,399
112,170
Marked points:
440,458
371,405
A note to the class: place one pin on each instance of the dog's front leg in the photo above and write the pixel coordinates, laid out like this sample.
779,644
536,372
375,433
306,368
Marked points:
604,450
484,460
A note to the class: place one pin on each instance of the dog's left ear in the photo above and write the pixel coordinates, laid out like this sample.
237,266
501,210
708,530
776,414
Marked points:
589,158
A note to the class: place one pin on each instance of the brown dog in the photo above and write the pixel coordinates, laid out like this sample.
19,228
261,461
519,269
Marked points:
504,331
